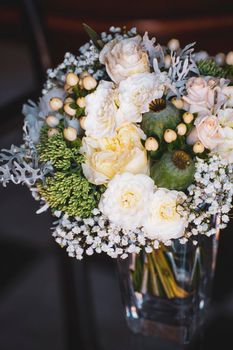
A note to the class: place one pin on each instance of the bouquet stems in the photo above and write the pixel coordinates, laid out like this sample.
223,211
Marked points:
152,273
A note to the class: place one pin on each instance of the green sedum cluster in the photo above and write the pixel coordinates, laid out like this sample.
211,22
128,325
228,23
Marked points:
67,189
55,150
70,193
210,68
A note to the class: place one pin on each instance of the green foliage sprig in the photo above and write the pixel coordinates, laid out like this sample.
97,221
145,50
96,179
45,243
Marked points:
210,68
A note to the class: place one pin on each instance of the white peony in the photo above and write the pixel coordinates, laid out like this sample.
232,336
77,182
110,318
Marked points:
107,156
101,111
124,58
136,94
125,201
163,222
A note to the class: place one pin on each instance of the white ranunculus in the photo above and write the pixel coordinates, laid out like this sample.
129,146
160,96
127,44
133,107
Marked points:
105,157
163,222
101,111
136,94
44,106
124,58
126,199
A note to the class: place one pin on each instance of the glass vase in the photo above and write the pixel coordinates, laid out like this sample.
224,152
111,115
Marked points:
166,293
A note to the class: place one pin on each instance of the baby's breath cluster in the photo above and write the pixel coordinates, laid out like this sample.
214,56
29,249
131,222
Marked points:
97,235
210,196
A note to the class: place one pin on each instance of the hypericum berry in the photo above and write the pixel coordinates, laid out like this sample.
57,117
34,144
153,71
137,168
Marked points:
52,121
81,102
178,103
170,135
188,117
89,83
55,103
173,44
70,133
151,144
70,111
198,147
72,79
181,129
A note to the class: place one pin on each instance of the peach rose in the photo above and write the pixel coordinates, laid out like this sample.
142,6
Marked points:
207,130
200,96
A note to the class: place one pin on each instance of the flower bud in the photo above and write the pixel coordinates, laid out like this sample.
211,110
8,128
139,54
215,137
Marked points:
52,121
70,133
181,129
170,135
198,147
151,144
188,117
72,79
55,103
89,83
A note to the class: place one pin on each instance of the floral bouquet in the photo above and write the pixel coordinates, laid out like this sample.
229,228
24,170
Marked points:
131,148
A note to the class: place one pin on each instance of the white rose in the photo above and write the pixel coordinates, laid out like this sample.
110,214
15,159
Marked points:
126,199
107,156
124,58
44,106
136,94
163,222
101,111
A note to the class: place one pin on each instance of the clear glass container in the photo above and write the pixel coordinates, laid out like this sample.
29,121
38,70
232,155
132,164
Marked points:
166,293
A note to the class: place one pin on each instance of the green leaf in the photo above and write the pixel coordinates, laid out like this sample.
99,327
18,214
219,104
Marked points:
93,36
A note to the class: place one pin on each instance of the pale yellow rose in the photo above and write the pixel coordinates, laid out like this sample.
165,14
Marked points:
108,156
124,58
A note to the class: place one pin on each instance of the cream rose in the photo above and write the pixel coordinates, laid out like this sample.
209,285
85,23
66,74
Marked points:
126,199
135,95
207,130
107,156
163,220
101,111
124,58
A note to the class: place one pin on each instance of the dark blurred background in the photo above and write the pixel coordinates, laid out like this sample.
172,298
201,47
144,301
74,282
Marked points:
47,300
